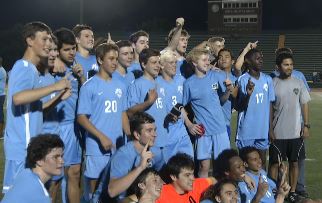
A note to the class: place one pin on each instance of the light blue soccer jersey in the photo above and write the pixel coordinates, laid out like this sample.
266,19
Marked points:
23,121
227,105
138,93
89,65
103,102
51,124
134,66
173,94
203,95
127,79
253,122
127,158
246,194
3,79
269,196
67,108
27,188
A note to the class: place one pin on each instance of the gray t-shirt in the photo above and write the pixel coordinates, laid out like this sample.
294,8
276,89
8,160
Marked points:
290,94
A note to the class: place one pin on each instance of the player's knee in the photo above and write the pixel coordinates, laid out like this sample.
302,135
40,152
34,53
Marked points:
74,172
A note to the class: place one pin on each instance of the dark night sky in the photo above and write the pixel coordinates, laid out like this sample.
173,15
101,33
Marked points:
131,14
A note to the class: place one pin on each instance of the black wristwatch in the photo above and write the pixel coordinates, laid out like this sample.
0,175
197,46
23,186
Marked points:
308,126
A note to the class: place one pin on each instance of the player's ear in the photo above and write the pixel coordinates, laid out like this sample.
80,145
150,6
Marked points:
99,61
245,164
141,186
142,65
29,41
173,177
217,198
77,40
136,135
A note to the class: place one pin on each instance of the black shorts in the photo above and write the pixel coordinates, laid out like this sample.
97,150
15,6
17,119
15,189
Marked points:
2,98
290,150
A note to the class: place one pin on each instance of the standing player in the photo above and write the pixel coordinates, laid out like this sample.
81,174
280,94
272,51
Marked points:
178,42
172,85
207,109
287,132
24,108
125,58
50,116
85,42
3,81
102,104
140,41
67,110
255,95
300,188
228,90
44,160
146,95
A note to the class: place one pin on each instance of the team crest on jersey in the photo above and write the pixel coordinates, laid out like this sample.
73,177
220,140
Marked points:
180,89
118,92
95,67
162,91
296,90
265,87
214,86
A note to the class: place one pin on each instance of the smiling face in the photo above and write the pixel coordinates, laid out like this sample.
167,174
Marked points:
168,64
236,169
152,186
40,44
202,64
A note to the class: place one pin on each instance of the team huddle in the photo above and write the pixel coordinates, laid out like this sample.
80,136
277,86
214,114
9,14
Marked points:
135,124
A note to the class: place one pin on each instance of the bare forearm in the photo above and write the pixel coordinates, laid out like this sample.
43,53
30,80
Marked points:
175,39
126,124
117,186
52,102
89,127
240,60
28,96
305,113
138,108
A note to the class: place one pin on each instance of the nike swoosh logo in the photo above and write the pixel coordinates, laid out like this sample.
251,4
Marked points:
100,93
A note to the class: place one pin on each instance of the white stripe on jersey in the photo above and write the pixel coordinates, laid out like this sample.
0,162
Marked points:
26,116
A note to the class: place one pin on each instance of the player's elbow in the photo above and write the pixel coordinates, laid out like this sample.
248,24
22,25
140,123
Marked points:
111,191
17,100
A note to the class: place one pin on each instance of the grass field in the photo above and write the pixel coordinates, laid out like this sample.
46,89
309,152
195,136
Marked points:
313,149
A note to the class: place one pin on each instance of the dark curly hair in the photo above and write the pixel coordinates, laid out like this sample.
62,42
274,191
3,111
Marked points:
40,146
222,163
214,190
